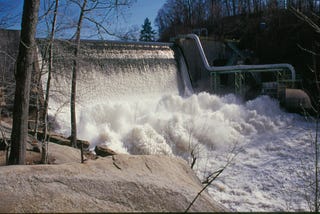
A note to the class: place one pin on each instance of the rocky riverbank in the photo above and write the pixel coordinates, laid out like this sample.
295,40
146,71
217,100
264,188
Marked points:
117,183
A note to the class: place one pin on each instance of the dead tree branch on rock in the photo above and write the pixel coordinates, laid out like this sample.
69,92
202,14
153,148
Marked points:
213,176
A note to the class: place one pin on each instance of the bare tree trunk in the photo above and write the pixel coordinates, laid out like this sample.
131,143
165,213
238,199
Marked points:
248,6
227,7
44,154
233,7
74,77
37,92
25,62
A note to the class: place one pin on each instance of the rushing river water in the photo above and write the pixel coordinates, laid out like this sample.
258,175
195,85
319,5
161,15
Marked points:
134,101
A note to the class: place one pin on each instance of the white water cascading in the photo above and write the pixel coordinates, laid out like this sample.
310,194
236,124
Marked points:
131,98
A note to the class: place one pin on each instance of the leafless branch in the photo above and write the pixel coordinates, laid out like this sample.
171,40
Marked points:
194,158
308,51
99,26
216,173
5,53
213,176
305,18
315,15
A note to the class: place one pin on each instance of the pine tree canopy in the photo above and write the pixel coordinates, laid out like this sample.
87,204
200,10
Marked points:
147,34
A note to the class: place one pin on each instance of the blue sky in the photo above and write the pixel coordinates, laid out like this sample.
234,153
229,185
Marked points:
145,8
134,16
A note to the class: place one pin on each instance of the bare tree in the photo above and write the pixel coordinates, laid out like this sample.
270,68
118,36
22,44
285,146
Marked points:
23,72
75,69
130,34
44,156
87,7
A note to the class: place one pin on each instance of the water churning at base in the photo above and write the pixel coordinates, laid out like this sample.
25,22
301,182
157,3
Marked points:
113,72
131,98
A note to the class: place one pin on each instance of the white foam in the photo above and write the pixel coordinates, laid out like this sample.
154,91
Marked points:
142,112
259,179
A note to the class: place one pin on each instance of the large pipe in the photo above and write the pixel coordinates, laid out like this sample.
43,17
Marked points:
296,99
236,67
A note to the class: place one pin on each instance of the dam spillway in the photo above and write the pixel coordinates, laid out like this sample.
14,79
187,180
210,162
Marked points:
113,74
111,70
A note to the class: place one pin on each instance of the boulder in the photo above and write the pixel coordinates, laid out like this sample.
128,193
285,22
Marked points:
119,183
103,151
59,139
59,154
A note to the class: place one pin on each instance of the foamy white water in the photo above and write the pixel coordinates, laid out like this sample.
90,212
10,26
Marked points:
137,107
269,144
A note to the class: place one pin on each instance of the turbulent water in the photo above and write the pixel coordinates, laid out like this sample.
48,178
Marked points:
141,109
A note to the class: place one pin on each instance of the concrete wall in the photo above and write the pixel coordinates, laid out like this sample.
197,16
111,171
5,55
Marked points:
199,76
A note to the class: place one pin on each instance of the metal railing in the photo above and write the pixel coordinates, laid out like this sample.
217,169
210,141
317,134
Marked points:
240,70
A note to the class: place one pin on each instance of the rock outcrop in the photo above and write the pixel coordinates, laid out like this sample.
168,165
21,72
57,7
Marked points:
119,183
57,154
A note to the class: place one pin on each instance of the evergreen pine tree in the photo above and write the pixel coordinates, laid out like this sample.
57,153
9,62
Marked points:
147,34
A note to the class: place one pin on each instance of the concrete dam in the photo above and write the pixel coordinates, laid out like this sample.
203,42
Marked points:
112,70
182,66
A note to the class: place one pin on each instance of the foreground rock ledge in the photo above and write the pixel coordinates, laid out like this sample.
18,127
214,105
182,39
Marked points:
111,184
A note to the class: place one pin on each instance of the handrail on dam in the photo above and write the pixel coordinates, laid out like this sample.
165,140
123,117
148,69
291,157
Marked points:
235,68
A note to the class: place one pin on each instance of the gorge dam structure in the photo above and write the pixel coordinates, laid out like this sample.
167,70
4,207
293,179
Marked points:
184,66
114,70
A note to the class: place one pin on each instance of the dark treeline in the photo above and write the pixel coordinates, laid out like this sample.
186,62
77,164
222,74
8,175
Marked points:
181,16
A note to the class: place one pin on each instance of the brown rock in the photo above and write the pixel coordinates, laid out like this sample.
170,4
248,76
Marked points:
85,144
61,140
103,151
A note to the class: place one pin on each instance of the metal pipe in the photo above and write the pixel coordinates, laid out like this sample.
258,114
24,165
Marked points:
236,67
